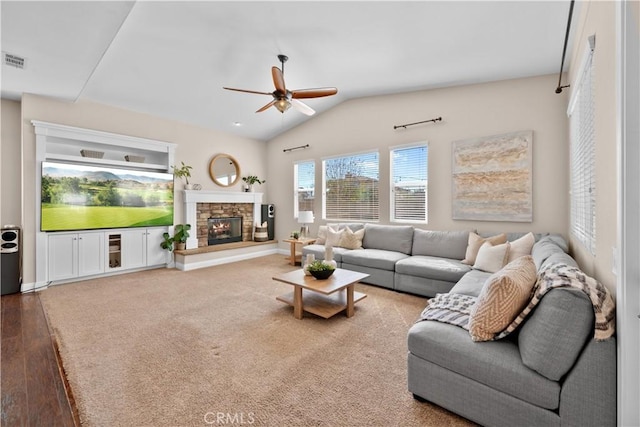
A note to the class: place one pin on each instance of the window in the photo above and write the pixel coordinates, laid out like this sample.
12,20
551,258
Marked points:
350,187
582,154
304,175
409,183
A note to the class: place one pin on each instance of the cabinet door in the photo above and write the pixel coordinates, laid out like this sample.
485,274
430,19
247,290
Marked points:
63,256
134,248
155,254
90,254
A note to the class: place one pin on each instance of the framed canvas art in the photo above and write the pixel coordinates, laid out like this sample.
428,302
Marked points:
492,178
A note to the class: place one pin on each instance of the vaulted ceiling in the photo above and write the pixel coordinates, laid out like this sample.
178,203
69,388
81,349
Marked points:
171,59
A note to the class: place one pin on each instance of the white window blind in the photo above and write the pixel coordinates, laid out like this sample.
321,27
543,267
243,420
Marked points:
409,183
582,154
350,186
304,182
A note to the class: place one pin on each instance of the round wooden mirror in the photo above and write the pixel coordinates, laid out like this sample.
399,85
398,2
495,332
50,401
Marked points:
224,170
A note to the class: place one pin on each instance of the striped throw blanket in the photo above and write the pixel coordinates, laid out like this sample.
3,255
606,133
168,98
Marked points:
455,308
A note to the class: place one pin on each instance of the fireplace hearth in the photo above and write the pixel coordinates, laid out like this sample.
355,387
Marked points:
224,230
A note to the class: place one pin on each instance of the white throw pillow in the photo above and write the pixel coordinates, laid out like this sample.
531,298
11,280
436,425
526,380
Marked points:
521,247
322,235
492,258
475,241
333,237
351,239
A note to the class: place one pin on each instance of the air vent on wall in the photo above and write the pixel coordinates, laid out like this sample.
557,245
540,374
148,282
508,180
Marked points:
13,60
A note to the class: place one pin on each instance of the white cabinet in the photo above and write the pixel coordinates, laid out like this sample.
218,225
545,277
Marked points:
74,255
136,248
155,254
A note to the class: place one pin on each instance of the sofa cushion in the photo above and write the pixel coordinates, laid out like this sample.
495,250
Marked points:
471,283
503,296
373,258
554,333
492,258
398,238
547,246
521,247
333,237
558,258
475,242
445,244
449,270
496,364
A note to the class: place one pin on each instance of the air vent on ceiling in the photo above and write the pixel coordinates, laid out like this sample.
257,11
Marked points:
13,60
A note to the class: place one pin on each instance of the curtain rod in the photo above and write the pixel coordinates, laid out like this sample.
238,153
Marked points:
437,119
564,50
295,148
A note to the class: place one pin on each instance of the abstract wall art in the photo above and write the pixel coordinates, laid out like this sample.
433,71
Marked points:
492,178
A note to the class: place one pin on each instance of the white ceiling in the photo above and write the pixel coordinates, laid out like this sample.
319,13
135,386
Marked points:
171,59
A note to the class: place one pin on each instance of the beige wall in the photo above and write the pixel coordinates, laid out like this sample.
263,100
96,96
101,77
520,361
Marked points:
467,112
599,18
10,188
196,146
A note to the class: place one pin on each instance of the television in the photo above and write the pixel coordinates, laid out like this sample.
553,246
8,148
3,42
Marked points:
81,197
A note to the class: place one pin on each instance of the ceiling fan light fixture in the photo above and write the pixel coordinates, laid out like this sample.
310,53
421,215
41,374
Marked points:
282,105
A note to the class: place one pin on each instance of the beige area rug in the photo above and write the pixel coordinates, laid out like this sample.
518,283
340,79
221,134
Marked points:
213,347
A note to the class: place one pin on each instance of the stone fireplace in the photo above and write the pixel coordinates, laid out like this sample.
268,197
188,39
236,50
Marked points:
202,205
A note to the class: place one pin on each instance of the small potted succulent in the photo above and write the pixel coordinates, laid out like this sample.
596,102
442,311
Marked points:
320,269
295,235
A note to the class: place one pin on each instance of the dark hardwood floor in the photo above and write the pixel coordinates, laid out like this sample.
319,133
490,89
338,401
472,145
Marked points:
32,388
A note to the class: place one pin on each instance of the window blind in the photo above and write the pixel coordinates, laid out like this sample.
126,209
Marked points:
305,177
409,183
351,187
582,156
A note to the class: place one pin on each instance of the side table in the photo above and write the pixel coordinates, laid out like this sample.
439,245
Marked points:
297,256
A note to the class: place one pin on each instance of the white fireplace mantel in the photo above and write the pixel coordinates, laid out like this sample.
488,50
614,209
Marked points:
193,197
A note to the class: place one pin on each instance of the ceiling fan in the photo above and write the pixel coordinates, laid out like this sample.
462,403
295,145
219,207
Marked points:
284,98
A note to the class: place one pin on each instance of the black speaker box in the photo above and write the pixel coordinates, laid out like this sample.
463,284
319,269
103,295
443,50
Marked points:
269,215
10,261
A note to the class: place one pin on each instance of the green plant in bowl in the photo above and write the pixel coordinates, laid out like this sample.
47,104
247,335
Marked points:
320,269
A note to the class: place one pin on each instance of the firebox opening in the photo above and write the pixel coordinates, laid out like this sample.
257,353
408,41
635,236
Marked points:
224,230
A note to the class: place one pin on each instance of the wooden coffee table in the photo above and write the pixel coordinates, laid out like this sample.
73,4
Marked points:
322,297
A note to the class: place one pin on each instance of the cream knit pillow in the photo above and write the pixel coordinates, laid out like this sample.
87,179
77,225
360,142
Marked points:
502,298
333,237
475,241
351,239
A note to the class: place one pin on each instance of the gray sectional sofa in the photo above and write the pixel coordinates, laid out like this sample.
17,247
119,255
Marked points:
549,372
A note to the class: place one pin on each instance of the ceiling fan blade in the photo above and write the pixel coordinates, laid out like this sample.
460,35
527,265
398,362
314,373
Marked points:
266,106
313,93
278,80
302,107
247,91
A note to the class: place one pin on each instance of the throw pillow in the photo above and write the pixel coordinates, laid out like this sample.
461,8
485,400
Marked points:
521,247
502,298
492,258
351,239
322,235
333,237
475,241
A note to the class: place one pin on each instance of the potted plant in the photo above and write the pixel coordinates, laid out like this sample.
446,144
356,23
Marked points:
183,171
180,235
320,269
295,235
250,180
